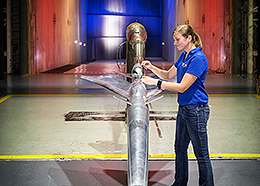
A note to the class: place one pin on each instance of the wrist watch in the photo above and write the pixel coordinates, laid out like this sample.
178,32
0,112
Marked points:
159,84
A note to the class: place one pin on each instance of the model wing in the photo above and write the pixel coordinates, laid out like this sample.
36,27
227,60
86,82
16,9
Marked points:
107,82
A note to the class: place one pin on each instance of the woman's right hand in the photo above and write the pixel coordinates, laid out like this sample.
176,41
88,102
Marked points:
147,65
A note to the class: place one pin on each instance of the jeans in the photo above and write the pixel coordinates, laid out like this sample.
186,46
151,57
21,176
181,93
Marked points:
191,125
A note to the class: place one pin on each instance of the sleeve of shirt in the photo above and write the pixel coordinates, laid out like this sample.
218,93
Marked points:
176,64
180,59
197,66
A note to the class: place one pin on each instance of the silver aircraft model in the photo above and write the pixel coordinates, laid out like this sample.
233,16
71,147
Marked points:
137,97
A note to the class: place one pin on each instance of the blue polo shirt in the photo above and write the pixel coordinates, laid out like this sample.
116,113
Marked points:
196,64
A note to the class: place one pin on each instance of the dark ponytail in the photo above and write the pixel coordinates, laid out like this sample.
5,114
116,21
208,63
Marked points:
185,31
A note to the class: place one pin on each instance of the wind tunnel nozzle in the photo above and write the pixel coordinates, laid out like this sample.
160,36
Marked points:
136,33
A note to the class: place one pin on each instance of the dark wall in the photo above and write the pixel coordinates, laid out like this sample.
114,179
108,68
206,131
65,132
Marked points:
2,42
107,21
24,37
237,17
168,25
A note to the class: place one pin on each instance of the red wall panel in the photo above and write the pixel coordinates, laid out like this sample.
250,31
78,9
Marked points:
53,30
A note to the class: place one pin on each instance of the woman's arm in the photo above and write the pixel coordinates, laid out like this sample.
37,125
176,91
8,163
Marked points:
187,81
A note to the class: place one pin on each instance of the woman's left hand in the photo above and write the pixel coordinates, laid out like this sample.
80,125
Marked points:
149,81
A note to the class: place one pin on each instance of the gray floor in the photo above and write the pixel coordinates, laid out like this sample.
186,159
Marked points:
34,122
113,173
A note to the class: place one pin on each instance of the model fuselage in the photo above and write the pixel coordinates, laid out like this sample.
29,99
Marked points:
138,130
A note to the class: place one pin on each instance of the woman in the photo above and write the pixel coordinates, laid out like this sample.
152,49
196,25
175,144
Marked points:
191,124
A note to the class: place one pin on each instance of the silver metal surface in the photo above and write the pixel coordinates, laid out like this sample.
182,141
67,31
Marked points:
136,37
137,106
138,127
137,112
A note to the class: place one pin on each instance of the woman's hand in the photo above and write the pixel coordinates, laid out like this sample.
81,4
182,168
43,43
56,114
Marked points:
149,81
147,65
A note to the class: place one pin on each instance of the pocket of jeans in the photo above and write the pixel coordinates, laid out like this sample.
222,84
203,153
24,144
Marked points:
206,112
203,120
192,109
191,113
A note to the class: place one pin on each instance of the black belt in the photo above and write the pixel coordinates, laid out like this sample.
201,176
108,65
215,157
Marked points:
203,105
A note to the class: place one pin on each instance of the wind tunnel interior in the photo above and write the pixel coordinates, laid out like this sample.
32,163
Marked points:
70,32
